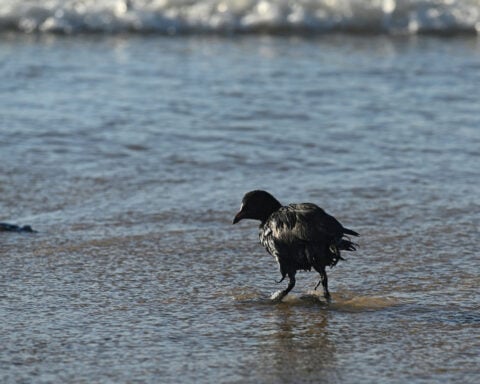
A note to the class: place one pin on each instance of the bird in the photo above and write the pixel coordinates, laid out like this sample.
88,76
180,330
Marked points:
300,236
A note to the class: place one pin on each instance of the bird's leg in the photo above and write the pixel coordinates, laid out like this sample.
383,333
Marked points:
283,273
281,294
324,281
291,283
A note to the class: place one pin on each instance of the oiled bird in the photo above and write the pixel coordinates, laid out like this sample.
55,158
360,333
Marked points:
300,236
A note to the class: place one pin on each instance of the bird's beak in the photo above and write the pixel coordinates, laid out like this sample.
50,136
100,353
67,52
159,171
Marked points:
239,216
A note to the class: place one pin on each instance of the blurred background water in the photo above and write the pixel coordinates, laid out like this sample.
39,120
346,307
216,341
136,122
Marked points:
129,132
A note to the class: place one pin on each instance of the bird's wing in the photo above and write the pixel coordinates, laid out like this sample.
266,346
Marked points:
303,223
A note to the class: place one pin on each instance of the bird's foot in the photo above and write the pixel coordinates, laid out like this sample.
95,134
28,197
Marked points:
278,296
327,296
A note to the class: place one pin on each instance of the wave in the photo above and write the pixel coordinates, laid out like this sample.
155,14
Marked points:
171,17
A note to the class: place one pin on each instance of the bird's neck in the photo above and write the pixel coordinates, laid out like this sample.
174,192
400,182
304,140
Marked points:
268,209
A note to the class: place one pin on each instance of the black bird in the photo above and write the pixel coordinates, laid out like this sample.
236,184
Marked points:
299,236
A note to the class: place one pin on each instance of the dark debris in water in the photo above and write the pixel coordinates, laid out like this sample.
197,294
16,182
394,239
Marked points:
6,227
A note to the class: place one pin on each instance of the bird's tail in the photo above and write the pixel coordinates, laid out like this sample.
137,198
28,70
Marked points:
347,245
350,232
342,245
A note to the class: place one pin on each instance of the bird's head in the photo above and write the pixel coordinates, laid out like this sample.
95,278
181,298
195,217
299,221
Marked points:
257,205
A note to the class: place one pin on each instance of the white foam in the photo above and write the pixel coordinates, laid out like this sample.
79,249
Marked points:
237,16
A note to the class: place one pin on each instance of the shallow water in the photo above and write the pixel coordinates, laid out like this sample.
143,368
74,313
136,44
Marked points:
130,154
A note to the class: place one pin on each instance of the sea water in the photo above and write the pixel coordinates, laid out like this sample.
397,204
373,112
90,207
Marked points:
128,145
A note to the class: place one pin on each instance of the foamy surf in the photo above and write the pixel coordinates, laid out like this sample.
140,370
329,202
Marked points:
171,17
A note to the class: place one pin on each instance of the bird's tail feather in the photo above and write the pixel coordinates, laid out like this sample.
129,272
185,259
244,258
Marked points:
350,232
347,245
342,245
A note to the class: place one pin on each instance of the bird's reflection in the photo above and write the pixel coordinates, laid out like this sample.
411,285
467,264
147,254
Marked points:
299,348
